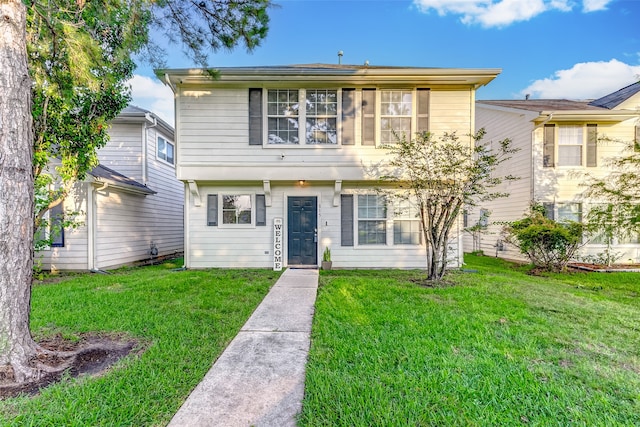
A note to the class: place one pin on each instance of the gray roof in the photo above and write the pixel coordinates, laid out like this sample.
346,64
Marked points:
132,112
618,97
106,174
539,105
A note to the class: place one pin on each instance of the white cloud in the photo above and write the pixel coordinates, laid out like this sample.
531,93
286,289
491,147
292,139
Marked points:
501,13
154,96
585,80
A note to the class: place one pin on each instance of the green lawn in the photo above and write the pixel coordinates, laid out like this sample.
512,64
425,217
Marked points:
498,348
185,319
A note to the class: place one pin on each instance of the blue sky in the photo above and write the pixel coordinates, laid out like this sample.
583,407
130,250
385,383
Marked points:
574,49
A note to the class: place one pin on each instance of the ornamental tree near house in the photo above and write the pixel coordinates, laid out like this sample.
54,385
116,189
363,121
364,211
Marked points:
440,176
63,67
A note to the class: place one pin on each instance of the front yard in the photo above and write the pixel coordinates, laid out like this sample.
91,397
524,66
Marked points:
498,348
495,347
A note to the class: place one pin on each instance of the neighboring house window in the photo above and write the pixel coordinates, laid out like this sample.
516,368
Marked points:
322,117
165,150
372,220
396,110
570,141
56,220
236,209
406,224
569,212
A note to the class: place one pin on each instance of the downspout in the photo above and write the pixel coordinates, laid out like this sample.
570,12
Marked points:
145,144
92,226
532,186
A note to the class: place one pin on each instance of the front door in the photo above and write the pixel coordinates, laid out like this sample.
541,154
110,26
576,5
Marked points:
302,225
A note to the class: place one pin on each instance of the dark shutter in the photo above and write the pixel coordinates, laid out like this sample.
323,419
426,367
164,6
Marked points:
592,145
636,142
423,110
548,211
368,117
255,116
348,116
212,209
56,218
261,210
548,150
346,219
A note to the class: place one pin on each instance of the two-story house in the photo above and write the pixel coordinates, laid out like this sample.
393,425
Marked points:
277,161
130,207
561,142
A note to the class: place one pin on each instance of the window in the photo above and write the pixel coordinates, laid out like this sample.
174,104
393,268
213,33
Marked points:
322,117
406,224
570,142
283,111
56,230
372,220
396,110
636,140
569,212
165,150
310,114
236,209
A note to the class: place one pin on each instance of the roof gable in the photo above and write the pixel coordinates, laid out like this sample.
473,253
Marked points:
616,98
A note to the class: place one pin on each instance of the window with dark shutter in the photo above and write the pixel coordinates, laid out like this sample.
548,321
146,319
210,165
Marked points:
548,150
255,116
592,145
212,209
56,219
261,210
423,110
346,219
348,116
368,117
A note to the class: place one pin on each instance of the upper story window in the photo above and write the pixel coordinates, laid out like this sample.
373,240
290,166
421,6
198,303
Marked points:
299,116
570,145
332,117
165,151
396,111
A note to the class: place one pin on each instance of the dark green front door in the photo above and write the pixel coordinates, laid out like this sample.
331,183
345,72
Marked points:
302,226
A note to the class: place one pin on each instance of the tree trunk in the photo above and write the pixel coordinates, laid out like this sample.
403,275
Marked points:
17,347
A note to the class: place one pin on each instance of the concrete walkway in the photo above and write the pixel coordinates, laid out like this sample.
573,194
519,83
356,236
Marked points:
259,379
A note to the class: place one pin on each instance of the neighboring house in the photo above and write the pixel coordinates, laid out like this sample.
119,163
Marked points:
299,144
130,206
560,142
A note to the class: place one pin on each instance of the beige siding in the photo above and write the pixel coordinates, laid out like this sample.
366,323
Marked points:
123,152
73,256
216,246
213,140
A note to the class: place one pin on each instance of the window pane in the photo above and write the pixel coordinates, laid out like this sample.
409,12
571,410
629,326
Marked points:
321,131
322,116
372,232
282,111
406,232
169,153
570,142
570,212
570,155
236,209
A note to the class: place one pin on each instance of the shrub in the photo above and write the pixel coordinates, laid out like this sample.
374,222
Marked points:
548,244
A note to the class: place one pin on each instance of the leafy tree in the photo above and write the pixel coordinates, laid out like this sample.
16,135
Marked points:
548,244
440,177
63,67
617,215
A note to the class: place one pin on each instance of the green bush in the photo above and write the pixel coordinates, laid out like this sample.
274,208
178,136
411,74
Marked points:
548,244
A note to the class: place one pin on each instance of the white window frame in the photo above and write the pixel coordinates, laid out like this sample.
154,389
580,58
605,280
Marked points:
568,141
159,154
559,205
252,198
380,116
357,220
302,118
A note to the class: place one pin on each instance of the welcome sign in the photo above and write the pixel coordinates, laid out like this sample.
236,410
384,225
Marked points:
277,244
